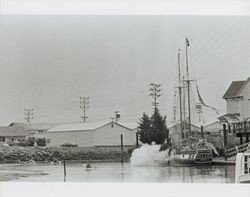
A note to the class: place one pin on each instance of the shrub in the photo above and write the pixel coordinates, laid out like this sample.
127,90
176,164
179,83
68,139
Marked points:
40,141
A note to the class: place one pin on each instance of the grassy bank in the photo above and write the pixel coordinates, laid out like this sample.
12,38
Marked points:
17,153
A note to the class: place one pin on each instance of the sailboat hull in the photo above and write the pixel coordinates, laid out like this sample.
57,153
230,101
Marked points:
190,161
199,157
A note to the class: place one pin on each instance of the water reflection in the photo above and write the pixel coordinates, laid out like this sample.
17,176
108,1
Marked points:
124,172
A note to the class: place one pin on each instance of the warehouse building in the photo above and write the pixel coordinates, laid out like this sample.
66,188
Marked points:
91,134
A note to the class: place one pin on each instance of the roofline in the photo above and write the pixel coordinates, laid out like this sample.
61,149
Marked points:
48,131
242,89
211,123
13,135
232,97
110,123
179,124
243,81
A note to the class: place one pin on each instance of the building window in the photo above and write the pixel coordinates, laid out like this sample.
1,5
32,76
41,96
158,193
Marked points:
112,125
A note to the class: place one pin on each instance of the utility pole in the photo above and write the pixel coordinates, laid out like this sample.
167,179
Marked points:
155,93
28,114
84,105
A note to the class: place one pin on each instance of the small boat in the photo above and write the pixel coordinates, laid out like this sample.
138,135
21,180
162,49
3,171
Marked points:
200,154
242,168
88,167
56,162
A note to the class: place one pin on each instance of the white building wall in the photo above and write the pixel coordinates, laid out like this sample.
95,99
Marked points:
245,103
109,135
231,107
81,138
215,128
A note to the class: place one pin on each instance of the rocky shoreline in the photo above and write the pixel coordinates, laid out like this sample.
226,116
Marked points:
15,154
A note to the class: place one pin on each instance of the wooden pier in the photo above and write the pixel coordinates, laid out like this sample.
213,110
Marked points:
222,162
241,130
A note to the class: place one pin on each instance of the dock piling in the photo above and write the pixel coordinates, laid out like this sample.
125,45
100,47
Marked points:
121,142
202,133
137,139
225,141
64,167
229,128
122,159
245,130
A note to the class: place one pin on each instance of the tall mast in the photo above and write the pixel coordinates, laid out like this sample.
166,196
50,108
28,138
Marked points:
179,88
184,103
188,86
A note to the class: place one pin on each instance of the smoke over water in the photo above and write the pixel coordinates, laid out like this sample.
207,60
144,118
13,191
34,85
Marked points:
149,155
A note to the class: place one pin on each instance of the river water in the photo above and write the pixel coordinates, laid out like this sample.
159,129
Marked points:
117,172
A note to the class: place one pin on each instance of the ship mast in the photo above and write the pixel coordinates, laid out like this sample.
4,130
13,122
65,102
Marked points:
180,97
188,87
184,103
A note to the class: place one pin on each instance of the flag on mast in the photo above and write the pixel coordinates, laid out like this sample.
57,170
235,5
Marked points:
203,103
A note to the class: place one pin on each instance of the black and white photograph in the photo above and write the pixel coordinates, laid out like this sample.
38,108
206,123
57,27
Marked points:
124,98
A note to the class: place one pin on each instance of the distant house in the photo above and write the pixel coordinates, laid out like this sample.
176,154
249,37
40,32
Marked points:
91,134
237,99
175,132
15,132
176,129
38,130
214,129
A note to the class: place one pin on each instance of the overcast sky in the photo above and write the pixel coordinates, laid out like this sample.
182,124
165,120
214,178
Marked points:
47,62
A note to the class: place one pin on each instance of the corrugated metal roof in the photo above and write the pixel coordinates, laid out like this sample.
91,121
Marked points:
90,126
233,89
41,126
78,126
130,125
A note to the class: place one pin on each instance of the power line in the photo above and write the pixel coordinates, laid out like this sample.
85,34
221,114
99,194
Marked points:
84,105
28,114
213,39
155,93
224,33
